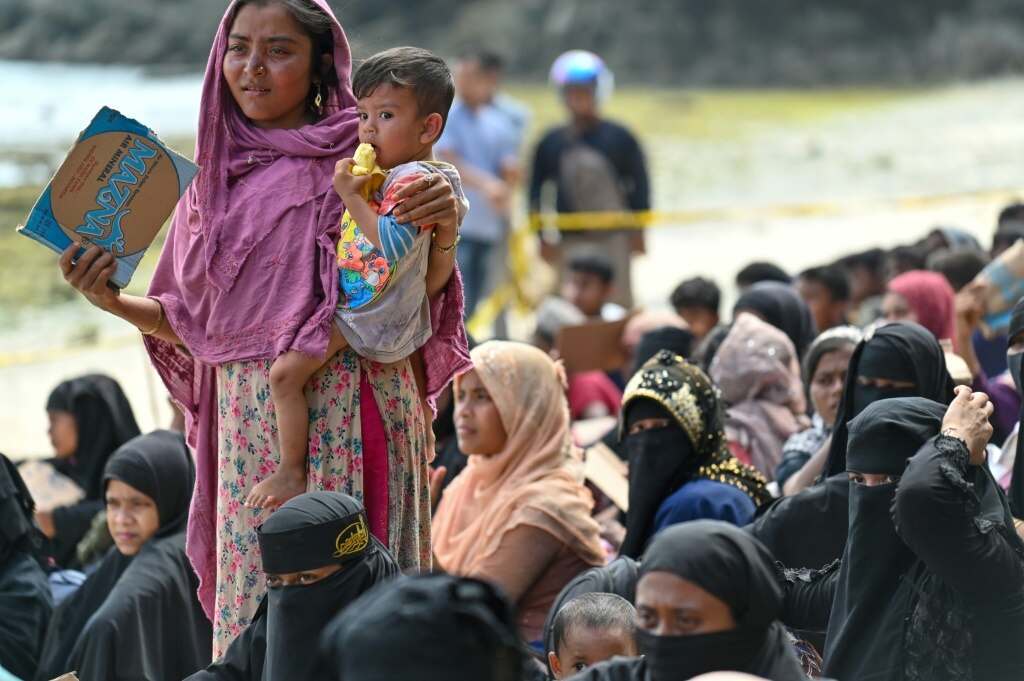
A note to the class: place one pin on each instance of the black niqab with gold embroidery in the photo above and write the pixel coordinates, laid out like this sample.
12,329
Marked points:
693,446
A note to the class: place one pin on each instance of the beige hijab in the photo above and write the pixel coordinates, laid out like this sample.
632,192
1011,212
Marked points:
757,371
533,481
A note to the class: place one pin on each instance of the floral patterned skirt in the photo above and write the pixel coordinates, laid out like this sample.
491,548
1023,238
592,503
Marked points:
248,453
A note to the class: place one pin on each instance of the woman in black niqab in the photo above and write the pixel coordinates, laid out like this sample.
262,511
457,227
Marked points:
24,588
732,567
104,421
311,531
137,616
809,528
691,446
929,584
781,306
864,631
901,352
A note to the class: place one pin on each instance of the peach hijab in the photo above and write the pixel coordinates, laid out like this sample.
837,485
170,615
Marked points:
533,481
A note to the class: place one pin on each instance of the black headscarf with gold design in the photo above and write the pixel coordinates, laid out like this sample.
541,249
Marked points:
692,446
311,531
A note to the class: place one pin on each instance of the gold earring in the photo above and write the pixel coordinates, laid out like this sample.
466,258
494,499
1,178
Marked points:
318,100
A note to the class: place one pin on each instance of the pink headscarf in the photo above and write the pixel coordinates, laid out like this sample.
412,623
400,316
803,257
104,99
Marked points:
249,270
264,193
932,299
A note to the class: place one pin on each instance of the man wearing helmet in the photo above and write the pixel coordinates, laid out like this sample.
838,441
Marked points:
596,165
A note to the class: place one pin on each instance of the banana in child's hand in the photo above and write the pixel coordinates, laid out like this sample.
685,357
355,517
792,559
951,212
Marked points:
365,160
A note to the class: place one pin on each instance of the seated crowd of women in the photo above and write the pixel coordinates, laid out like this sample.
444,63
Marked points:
906,543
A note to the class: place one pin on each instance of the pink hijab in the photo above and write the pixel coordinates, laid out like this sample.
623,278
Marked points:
932,299
249,269
533,481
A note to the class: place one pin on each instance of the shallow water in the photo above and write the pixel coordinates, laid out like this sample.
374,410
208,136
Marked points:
45,106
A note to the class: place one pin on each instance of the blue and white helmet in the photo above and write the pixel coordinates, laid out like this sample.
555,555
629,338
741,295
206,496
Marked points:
580,67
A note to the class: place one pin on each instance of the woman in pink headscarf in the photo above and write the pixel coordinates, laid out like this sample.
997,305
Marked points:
928,299
925,298
518,515
249,271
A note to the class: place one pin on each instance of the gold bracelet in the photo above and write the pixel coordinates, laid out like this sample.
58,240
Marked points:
159,319
445,249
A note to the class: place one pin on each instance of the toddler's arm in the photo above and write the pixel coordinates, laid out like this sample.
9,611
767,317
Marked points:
350,188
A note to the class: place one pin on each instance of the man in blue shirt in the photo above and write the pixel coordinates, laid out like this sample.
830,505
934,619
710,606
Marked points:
481,139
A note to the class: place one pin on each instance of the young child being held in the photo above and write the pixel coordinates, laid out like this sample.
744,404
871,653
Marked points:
403,96
589,629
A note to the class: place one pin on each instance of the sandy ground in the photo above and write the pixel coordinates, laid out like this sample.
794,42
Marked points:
27,381
957,145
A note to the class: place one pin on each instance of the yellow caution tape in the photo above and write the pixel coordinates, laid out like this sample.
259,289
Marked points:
513,291
652,218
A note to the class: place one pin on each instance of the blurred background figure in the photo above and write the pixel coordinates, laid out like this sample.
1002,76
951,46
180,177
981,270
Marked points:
595,164
588,282
482,139
90,417
756,272
697,301
1009,228
827,294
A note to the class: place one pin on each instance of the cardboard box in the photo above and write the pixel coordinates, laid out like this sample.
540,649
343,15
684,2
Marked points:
593,346
607,471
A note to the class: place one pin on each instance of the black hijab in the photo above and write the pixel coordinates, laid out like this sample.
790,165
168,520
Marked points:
671,338
312,531
735,568
25,599
18,533
430,628
1016,494
138,616
692,446
903,351
160,466
104,420
781,306
866,624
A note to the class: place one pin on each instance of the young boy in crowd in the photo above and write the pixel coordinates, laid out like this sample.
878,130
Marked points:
403,96
864,272
697,301
827,293
589,283
757,272
589,629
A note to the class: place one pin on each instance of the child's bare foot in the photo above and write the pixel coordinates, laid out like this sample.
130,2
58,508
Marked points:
281,486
